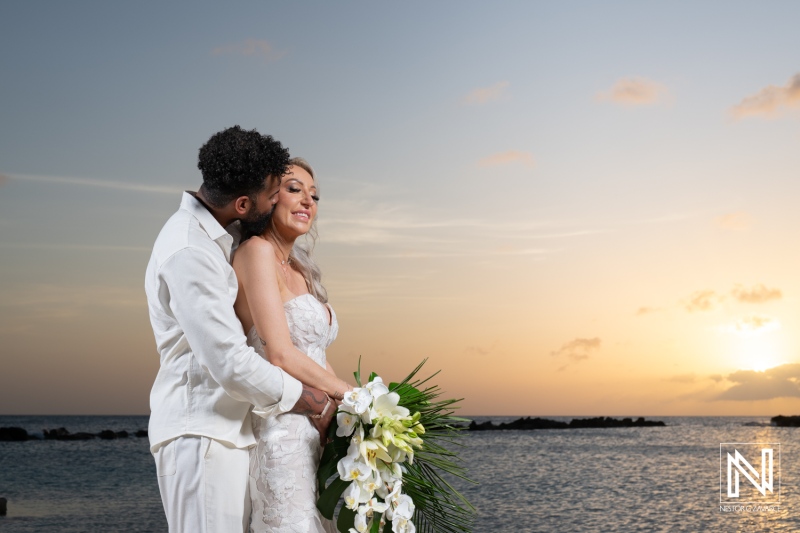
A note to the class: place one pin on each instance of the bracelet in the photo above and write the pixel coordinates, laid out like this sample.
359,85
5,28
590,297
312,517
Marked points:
327,406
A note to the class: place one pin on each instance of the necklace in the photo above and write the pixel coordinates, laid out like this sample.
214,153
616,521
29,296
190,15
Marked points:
284,265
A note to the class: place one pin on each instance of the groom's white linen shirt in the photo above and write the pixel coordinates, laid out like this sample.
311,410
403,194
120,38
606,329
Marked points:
209,377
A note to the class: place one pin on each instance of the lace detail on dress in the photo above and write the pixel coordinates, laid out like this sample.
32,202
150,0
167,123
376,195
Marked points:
283,464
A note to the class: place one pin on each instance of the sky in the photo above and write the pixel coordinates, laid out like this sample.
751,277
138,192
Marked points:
569,208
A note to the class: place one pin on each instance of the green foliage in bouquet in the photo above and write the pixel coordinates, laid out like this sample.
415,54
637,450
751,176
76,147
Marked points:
439,507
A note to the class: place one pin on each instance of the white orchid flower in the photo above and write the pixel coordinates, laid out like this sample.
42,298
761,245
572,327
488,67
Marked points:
358,436
372,484
383,491
344,408
353,469
386,406
353,452
390,473
356,494
372,506
403,506
392,497
403,525
389,486
346,424
377,388
358,400
361,523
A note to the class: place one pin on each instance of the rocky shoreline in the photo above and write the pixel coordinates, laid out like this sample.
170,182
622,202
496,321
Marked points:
16,434
545,423
785,421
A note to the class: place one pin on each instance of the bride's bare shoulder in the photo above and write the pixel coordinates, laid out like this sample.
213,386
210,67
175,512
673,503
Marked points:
256,245
254,249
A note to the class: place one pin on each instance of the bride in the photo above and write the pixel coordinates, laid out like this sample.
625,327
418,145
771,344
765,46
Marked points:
283,307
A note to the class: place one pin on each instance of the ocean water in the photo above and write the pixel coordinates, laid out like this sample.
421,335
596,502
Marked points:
573,480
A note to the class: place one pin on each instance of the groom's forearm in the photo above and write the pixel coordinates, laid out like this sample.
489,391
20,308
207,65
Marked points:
312,402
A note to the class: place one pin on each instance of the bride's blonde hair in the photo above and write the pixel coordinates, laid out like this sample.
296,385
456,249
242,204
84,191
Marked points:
300,258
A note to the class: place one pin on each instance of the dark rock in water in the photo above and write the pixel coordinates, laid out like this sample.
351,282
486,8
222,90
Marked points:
785,421
107,434
3,506
63,434
522,423
544,423
609,422
13,434
141,433
55,434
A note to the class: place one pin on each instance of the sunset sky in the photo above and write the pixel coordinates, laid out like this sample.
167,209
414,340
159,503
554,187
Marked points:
571,208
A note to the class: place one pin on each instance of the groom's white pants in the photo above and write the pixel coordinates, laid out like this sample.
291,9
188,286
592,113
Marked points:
204,485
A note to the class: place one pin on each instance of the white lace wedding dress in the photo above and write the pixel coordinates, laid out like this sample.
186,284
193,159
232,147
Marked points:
283,464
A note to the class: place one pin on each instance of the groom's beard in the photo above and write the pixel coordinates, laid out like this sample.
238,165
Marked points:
255,223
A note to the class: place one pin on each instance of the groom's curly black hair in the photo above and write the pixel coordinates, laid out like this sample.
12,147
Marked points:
236,162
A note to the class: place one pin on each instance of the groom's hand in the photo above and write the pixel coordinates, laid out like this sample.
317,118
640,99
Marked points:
322,425
313,402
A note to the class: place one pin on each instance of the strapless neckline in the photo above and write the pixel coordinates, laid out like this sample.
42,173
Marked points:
328,308
290,300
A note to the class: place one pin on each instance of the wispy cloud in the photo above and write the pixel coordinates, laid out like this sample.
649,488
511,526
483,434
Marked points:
748,385
706,300
634,91
104,184
249,48
482,350
756,294
24,308
771,101
752,325
352,292
682,378
578,349
76,246
737,221
476,349
644,310
52,295
372,221
701,301
484,95
505,158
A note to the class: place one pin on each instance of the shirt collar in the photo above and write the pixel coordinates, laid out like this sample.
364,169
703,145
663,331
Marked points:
203,215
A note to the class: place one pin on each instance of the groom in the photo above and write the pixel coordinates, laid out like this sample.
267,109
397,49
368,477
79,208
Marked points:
209,378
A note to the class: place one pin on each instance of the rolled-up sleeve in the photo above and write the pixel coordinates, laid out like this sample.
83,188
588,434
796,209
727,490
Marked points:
292,389
199,297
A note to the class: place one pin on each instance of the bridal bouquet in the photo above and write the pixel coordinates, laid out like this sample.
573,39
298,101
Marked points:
388,454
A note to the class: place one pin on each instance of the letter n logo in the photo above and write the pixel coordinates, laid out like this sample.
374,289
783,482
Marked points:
740,470
737,464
